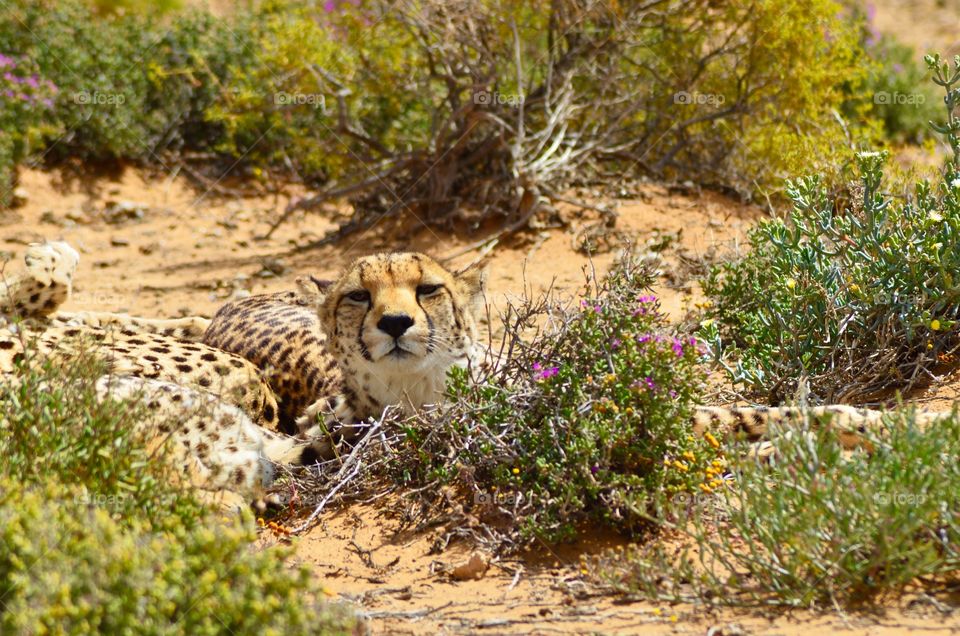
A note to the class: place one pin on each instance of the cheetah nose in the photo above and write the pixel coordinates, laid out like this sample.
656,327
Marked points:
395,325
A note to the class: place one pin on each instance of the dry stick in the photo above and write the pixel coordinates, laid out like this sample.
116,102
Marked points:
353,461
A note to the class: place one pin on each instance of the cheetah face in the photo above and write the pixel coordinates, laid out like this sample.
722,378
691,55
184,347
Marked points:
398,322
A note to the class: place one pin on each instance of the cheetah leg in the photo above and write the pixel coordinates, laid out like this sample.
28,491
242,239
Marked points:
44,285
190,328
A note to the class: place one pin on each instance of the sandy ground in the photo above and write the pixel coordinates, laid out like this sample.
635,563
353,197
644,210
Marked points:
161,247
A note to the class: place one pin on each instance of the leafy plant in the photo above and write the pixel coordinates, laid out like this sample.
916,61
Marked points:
26,102
817,527
55,428
69,567
856,299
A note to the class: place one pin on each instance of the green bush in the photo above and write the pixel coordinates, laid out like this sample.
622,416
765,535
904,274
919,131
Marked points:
68,567
95,538
855,300
583,423
130,85
817,527
26,103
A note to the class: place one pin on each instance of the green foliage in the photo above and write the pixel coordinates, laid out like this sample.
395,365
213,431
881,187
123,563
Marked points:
855,299
130,85
581,424
95,538
816,527
26,100
69,567
902,97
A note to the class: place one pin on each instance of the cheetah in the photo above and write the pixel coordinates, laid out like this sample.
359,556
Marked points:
385,333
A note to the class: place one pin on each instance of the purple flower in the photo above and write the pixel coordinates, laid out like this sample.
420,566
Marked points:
615,343
673,393
644,338
647,299
6,61
542,373
32,81
330,6
645,384
678,347
594,469
10,77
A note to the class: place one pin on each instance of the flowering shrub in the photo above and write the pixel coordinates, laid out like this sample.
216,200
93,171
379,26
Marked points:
856,300
590,421
26,102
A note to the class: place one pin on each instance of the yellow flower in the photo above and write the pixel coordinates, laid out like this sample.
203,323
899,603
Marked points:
935,324
929,346
711,440
690,457
706,323
610,378
657,611
791,283
855,288
680,466
516,471
673,618
935,217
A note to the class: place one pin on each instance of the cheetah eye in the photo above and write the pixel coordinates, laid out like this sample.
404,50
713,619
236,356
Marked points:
428,290
359,296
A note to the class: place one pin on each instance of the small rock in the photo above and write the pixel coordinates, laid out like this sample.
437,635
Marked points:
474,568
47,216
275,265
19,196
119,242
239,294
77,216
123,211
148,249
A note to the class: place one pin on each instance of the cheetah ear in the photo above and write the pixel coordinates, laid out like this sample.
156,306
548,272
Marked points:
474,282
313,289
